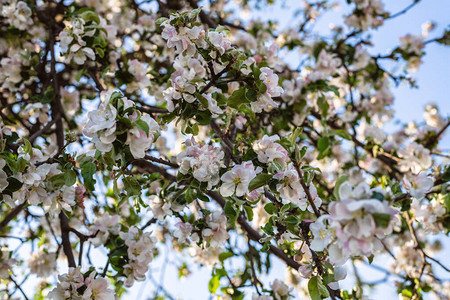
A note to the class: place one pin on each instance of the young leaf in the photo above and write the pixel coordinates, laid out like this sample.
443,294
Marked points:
132,186
225,255
313,288
342,133
270,208
87,172
382,220
142,125
248,212
259,181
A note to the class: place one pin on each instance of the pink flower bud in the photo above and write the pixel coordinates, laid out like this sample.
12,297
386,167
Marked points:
257,58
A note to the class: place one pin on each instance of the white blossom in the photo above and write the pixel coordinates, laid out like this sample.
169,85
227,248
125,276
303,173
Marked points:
238,179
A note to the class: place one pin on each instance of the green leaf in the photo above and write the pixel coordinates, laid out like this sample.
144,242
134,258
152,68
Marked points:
426,288
266,247
125,124
214,284
248,212
308,168
333,88
323,290
342,133
447,202
13,185
21,164
202,99
268,228
124,77
142,125
222,28
100,40
317,289
295,135
262,87
27,148
132,186
202,197
194,13
323,106
382,220
229,210
237,98
87,172
192,129
250,95
190,195
169,117
160,21
100,52
323,143
70,178
313,289
259,181
270,208
378,196
58,180
285,207
49,95
291,220
203,117
249,155
407,293
89,15
328,273
224,255
79,74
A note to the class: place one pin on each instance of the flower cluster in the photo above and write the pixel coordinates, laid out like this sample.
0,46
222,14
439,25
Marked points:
103,227
6,262
265,101
204,161
290,188
430,213
199,53
17,14
356,224
326,66
42,263
216,233
72,41
116,116
140,72
78,286
412,50
140,253
40,188
159,208
367,14
12,70
415,158
268,150
190,66
419,185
